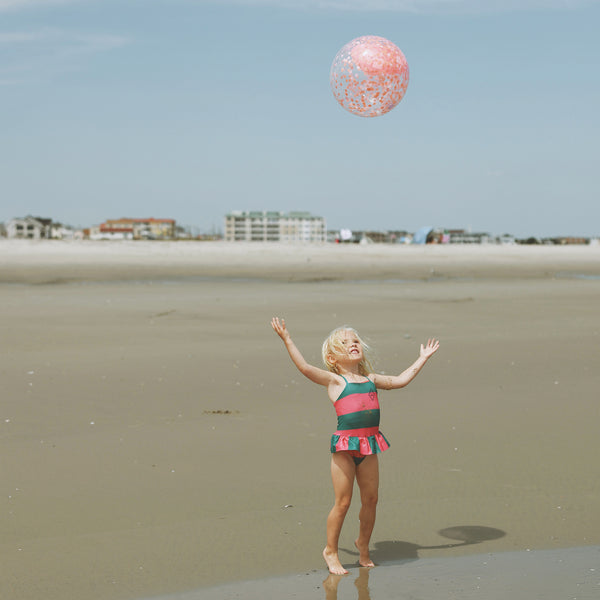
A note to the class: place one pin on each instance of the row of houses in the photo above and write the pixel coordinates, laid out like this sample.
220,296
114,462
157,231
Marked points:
273,226
259,226
35,228
239,226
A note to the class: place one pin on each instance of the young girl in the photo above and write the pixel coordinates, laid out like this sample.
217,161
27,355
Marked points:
352,387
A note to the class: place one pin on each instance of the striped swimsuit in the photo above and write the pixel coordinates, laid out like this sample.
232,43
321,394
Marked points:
357,410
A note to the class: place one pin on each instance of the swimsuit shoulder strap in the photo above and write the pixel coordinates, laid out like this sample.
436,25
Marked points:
357,382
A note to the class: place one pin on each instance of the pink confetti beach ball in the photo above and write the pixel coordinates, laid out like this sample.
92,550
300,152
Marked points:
369,76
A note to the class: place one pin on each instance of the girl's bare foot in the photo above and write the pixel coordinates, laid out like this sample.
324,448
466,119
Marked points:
333,563
364,559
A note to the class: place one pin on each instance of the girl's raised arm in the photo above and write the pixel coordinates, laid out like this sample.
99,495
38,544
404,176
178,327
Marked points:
392,382
320,376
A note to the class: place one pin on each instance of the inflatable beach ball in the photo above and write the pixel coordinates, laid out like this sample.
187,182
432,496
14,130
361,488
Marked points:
369,76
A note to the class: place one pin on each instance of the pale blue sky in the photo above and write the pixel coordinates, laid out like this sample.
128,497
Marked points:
189,109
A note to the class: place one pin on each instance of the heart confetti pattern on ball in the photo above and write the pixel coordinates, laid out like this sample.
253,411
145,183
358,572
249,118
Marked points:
369,76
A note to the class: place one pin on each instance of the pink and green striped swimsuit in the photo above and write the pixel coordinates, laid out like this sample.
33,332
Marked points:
357,410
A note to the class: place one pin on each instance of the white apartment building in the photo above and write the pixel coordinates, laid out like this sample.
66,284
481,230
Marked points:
274,226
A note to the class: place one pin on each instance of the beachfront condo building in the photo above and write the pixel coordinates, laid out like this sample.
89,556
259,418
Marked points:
274,226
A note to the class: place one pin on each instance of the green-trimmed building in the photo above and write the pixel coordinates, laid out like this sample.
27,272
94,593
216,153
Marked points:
274,226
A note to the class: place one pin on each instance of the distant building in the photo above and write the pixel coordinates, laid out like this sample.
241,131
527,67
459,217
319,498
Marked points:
134,229
274,226
58,231
506,239
31,228
460,236
348,236
104,232
567,241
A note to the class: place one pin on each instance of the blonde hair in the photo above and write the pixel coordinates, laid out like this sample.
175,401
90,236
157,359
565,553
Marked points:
333,346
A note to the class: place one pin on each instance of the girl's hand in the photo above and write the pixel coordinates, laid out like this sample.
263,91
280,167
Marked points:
280,329
430,348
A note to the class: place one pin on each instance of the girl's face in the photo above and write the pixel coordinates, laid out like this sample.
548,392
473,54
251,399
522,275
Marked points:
353,349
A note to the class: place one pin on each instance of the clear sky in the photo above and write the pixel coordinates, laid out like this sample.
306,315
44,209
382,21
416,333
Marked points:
189,109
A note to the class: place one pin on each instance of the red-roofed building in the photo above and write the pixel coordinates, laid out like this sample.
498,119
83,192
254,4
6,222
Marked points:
134,229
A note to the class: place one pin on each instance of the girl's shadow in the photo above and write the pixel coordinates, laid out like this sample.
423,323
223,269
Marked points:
398,551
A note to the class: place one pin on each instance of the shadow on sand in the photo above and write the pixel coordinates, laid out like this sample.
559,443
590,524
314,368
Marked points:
465,535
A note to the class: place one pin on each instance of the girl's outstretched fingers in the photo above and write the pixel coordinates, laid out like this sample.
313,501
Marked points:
430,348
278,326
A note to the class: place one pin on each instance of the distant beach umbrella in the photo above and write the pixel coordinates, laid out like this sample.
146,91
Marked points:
420,237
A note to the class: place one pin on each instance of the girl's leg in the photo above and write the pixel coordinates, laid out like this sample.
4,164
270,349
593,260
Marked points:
343,471
367,477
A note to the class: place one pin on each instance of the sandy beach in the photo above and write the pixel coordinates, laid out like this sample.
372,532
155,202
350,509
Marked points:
156,440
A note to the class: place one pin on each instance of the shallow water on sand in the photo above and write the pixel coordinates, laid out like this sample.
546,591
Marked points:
572,573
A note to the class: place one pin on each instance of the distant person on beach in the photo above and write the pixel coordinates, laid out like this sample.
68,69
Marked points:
352,387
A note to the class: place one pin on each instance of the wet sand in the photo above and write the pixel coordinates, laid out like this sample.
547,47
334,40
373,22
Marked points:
155,437
564,573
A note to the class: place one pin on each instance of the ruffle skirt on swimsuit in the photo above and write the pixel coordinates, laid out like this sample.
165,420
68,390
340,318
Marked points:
362,444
